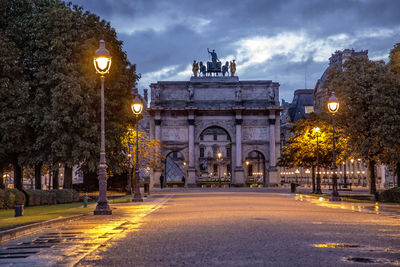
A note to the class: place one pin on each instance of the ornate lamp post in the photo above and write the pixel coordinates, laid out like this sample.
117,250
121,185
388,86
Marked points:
129,180
137,107
333,107
219,155
317,132
102,63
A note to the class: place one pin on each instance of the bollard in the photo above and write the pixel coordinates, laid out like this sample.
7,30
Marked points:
85,200
293,187
19,210
146,188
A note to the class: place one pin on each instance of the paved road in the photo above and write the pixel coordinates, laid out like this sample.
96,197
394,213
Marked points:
230,227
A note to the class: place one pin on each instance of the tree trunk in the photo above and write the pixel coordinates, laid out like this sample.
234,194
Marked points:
2,186
67,178
38,176
371,174
17,175
55,179
313,178
397,174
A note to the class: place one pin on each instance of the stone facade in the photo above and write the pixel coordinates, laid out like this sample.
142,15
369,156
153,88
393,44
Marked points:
243,115
337,59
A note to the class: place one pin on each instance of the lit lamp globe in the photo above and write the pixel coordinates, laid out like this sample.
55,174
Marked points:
137,106
102,59
219,155
333,104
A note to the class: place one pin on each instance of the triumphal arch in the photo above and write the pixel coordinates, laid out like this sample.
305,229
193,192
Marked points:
216,129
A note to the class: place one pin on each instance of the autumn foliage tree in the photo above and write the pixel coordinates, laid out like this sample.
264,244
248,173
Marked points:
301,148
369,98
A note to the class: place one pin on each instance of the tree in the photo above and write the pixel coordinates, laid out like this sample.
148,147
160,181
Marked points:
149,150
57,43
368,108
301,148
13,107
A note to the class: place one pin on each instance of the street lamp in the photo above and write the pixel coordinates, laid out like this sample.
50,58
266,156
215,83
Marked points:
129,180
317,132
219,155
137,107
333,107
102,64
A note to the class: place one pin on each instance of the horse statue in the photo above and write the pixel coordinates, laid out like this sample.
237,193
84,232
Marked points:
203,68
225,68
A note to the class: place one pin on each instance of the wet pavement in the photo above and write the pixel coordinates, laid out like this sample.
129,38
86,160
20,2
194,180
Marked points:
220,227
65,245
229,227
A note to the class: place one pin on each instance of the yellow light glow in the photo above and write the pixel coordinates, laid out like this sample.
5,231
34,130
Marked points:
352,160
137,108
102,63
333,107
247,163
219,155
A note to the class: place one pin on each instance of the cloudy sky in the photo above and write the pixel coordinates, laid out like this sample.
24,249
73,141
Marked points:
287,41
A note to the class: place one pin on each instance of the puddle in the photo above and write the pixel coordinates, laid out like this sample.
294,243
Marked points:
357,259
335,245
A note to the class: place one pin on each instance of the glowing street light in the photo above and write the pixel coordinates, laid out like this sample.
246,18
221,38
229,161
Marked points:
137,108
102,64
317,132
333,107
219,155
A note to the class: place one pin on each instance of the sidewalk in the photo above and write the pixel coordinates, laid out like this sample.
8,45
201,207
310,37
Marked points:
67,242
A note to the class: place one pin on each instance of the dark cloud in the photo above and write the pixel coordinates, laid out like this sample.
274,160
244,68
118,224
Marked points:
164,33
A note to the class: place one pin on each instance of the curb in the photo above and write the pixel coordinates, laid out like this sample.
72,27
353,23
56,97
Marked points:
14,233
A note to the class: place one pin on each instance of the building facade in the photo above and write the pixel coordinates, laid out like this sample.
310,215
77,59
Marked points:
198,120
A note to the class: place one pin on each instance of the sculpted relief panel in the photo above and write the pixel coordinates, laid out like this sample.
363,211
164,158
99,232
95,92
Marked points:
255,133
174,134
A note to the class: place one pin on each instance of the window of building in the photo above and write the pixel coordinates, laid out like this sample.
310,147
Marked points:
201,152
175,155
228,152
228,169
215,167
215,137
308,109
250,170
201,137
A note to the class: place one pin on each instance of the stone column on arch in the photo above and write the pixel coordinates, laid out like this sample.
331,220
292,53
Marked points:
191,170
238,178
155,178
272,169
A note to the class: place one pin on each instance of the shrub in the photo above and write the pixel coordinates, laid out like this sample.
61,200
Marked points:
12,197
64,196
48,198
390,195
2,199
33,197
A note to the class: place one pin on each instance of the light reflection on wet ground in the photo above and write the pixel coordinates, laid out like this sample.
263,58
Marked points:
67,244
375,208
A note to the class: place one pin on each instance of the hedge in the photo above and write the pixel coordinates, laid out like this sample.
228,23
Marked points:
30,197
390,195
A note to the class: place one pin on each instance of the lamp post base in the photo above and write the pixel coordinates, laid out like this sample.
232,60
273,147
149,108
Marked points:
334,198
102,208
137,199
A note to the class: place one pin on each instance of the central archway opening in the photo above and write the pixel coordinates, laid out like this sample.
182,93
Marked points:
175,168
255,168
215,157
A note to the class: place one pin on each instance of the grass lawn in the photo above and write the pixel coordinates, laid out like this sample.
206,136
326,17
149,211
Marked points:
40,213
